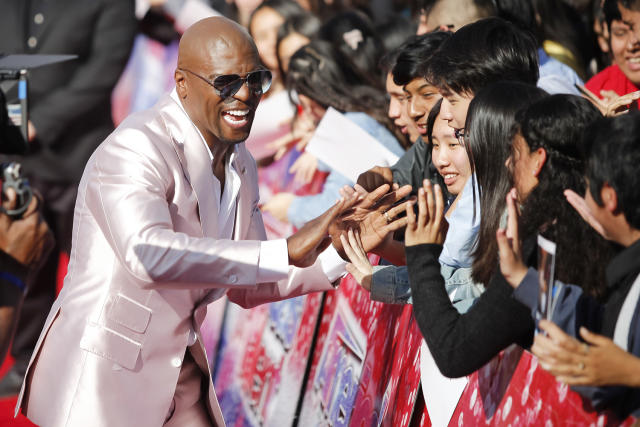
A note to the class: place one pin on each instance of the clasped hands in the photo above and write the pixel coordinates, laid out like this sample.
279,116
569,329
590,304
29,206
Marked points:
355,209
375,224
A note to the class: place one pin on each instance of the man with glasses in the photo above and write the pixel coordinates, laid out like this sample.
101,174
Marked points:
167,221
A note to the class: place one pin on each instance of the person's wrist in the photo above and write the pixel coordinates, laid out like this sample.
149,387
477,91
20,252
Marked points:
517,275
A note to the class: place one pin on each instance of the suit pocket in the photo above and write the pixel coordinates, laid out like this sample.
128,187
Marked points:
129,313
111,345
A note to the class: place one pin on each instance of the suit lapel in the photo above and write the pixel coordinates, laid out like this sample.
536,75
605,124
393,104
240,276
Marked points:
195,162
244,206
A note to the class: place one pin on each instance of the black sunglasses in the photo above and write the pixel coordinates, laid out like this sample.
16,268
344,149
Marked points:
228,85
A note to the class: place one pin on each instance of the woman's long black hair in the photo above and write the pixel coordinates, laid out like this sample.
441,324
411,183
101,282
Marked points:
489,125
315,71
557,124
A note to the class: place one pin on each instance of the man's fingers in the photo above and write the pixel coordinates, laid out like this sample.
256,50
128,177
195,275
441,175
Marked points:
397,224
360,190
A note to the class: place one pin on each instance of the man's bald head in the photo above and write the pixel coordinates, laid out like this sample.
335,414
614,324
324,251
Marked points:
217,48
212,37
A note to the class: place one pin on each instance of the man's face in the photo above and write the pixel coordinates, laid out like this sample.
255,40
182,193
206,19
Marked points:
454,108
398,109
625,43
421,97
226,120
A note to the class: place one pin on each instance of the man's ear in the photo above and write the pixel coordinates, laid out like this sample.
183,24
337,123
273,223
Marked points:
541,158
609,198
181,83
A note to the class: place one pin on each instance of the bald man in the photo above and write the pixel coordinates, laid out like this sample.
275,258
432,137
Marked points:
167,221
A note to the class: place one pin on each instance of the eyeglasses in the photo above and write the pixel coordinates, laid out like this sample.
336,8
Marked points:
227,85
460,135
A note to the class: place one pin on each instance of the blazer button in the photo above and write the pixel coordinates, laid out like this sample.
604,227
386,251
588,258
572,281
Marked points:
176,362
233,278
191,338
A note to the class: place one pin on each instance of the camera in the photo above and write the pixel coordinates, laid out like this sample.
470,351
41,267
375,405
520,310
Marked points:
14,121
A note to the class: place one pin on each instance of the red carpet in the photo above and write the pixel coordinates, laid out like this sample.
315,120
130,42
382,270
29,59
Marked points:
8,404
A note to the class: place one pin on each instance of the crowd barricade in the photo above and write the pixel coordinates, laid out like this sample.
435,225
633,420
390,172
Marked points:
340,359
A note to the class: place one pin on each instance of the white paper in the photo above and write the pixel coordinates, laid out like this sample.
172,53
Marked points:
441,394
346,147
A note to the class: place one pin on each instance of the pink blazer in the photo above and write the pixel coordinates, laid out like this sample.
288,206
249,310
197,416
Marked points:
145,262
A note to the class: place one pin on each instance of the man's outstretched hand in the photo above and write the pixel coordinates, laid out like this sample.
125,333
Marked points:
373,216
309,241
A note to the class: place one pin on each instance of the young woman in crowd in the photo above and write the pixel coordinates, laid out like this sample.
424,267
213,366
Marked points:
264,23
462,343
296,32
320,81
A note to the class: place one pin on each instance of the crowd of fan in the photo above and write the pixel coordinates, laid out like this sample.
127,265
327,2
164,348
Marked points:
504,143
512,119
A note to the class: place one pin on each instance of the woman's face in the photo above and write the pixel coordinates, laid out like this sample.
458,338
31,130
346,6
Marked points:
625,48
264,28
288,46
449,157
524,167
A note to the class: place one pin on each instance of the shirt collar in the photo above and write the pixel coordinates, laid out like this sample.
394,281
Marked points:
623,264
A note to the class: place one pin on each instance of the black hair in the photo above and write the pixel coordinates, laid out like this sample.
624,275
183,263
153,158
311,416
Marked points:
612,146
315,71
557,124
520,12
611,12
415,54
284,8
482,53
431,120
394,31
488,128
305,24
355,41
